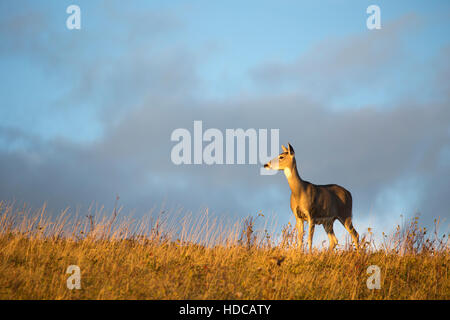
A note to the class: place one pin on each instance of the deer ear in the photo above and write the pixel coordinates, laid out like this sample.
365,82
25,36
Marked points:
290,149
284,148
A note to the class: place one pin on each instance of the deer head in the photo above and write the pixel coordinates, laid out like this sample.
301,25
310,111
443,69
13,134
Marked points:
284,161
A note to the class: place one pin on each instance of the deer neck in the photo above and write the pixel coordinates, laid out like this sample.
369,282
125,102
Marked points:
295,182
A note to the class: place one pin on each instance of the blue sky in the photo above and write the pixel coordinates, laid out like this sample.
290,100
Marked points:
91,100
230,38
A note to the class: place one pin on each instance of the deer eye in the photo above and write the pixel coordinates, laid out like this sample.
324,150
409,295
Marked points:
281,157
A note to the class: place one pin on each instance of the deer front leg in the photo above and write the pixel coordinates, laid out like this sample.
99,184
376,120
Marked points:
300,226
310,234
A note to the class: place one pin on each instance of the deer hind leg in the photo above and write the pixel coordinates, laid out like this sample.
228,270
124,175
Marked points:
300,232
310,234
328,226
355,237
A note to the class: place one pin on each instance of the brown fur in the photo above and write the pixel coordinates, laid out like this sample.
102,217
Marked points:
316,204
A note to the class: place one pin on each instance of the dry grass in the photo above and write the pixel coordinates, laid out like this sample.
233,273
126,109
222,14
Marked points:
124,259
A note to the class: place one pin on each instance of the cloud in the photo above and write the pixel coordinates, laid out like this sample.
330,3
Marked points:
334,66
385,156
371,152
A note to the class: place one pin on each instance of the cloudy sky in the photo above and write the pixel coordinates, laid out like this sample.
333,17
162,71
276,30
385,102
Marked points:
87,114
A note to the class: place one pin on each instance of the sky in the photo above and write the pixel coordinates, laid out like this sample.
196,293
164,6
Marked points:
87,114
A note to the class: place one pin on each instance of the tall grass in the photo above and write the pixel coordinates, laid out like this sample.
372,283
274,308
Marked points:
160,257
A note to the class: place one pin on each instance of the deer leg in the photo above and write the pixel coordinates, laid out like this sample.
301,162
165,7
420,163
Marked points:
300,232
310,234
355,237
331,237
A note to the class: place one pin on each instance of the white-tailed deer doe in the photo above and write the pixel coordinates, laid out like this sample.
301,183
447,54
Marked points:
317,204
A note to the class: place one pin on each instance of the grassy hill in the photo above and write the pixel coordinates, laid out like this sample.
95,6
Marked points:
147,263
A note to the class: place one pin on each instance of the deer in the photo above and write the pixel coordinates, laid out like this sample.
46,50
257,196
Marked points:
316,204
